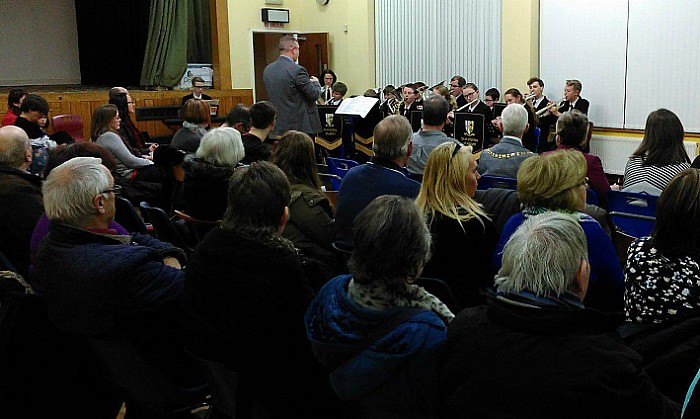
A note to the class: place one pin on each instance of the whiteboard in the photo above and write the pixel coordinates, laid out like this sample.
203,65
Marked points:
586,40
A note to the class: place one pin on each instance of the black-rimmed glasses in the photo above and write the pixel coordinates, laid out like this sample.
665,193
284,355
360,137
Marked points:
116,190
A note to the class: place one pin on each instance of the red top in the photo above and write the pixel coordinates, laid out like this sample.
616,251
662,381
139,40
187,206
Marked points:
9,118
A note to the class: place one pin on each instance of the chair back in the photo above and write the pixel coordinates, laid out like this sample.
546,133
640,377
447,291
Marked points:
127,216
488,182
164,228
331,182
591,197
340,167
70,123
442,291
196,227
633,213
538,131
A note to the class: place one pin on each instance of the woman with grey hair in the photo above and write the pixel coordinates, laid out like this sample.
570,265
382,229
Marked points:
378,332
207,173
558,182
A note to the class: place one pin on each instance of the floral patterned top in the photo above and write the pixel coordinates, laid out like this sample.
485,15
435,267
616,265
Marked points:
658,288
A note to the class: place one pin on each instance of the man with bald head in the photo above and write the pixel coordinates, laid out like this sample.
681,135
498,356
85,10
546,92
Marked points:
20,197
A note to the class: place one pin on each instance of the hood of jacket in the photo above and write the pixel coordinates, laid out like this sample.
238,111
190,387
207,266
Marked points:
195,167
335,325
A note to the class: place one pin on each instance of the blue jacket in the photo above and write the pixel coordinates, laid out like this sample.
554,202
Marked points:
606,284
397,374
95,284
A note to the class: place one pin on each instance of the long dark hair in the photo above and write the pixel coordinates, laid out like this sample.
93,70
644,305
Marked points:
677,228
100,120
663,140
295,156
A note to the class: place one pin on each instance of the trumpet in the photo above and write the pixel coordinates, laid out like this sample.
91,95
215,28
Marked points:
546,111
528,97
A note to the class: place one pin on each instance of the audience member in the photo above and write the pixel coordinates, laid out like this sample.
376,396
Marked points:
329,78
557,182
464,236
572,133
435,109
33,108
311,225
239,118
264,117
535,349
14,100
662,289
338,92
20,193
126,106
197,91
382,175
195,120
207,173
245,297
659,157
130,164
504,158
379,334
292,92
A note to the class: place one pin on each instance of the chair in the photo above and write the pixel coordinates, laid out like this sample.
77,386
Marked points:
164,228
70,123
340,167
591,197
331,182
442,291
488,182
127,216
622,243
633,213
197,227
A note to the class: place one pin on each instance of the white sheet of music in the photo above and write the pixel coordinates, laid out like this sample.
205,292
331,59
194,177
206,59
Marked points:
359,105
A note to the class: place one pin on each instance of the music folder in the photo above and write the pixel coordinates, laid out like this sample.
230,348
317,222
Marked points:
330,136
470,129
416,120
498,109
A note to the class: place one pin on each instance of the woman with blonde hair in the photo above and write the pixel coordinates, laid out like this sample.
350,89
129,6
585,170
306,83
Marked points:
462,231
558,182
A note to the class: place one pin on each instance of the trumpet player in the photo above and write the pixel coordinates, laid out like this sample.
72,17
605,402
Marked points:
457,83
539,103
572,99
411,101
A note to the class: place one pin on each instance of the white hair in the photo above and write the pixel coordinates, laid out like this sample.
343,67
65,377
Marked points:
70,189
514,120
543,256
221,146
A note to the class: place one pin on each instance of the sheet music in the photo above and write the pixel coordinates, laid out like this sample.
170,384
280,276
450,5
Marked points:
359,105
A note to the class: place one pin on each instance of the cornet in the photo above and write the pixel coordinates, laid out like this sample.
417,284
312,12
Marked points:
546,111
528,97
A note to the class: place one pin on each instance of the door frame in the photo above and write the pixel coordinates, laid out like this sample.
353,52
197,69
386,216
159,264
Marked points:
280,31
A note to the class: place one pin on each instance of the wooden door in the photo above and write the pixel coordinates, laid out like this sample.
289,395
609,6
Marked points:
265,51
313,52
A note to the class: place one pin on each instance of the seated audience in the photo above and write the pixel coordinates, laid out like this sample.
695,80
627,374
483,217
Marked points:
557,182
195,120
463,235
32,109
311,225
379,334
126,106
20,194
131,165
659,157
208,171
382,175
14,100
572,133
338,92
536,348
504,158
435,109
239,118
197,91
529,138
662,289
263,116
245,297
662,275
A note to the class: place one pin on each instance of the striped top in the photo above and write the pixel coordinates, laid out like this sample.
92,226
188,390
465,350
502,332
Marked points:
649,179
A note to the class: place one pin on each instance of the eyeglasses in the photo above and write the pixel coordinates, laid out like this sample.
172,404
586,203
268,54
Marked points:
586,182
116,190
458,147
489,100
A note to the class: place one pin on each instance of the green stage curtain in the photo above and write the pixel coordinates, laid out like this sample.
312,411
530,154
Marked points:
165,60
199,32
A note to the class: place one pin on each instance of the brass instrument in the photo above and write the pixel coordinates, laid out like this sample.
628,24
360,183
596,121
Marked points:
546,111
528,97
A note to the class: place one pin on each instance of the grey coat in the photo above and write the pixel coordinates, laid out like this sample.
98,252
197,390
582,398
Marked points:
504,158
294,95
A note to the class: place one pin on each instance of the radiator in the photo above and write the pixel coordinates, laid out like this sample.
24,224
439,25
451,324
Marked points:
614,151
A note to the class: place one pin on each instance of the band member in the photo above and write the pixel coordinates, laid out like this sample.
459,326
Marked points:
339,90
539,102
457,83
411,101
491,96
475,105
572,99
329,78
390,106
529,138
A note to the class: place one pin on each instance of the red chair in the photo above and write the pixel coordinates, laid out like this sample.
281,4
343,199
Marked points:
70,123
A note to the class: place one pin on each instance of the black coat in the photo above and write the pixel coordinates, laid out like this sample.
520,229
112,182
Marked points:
205,190
244,302
507,361
21,205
